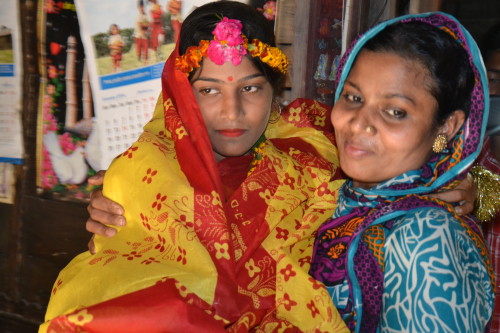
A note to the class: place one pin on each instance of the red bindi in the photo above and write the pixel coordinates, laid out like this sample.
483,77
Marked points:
230,78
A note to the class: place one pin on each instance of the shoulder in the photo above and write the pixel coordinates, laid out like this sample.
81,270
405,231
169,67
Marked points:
426,221
431,235
430,257
304,112
304,134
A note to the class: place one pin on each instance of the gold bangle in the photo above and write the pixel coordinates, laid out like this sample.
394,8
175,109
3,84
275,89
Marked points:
487,203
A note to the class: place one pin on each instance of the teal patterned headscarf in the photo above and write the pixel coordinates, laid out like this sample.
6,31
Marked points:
464,149
358,208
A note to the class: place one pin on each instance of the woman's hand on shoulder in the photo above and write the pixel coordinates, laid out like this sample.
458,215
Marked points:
104,213
464,194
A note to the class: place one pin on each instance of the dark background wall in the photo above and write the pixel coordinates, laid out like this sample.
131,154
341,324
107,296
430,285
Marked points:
39,234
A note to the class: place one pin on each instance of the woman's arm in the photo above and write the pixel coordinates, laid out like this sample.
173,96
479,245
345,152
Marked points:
464,194
105,213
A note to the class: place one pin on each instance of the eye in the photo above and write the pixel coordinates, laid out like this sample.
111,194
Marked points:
351,98
398,114
208,91
249,89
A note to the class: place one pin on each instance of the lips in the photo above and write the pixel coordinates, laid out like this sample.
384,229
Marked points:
232,133
356,150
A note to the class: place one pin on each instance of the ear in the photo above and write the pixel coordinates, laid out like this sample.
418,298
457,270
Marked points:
452,124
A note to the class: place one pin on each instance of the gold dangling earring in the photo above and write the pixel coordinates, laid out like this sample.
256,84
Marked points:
275,112
439,143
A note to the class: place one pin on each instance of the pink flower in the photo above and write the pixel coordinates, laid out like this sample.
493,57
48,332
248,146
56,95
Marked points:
270,10
48,175
228,43
219,53
51,89
66,143
229,30
234,55
215,52
52,71
49,122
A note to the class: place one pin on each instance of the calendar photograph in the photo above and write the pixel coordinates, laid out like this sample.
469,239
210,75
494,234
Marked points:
126,44
101,63
129,34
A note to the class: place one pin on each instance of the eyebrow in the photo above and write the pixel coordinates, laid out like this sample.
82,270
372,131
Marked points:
496,71
355,86
209,79
402,97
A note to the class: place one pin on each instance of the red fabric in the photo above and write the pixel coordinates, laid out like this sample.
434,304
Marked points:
149,305
197,152
233,171
486,158
176,26
492,233
198,164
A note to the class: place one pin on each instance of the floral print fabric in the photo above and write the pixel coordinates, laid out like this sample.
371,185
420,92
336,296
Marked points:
190,257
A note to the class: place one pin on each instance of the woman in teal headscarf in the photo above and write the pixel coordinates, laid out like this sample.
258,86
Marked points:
410,115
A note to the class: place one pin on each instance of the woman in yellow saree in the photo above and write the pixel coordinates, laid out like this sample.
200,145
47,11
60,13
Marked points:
221,218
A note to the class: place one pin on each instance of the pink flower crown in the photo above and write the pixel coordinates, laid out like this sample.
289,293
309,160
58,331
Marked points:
230,44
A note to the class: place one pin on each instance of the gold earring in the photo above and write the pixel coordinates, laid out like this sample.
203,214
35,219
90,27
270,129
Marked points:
369,129
439,143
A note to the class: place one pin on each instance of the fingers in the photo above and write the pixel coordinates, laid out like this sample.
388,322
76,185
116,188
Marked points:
465,208
91,245
97,179
104,216
467,184
99,229
450,196
464,195
105,210
469,190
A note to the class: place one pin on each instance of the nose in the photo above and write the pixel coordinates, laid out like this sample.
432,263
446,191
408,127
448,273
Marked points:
231,107
362,121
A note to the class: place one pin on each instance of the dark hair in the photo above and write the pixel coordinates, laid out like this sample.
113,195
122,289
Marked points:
201,22
113,25
447,62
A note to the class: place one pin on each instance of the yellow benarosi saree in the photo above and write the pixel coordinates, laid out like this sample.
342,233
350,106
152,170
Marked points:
208,247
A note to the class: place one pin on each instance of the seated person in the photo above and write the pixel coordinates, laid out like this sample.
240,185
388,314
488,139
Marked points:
409,119
223,196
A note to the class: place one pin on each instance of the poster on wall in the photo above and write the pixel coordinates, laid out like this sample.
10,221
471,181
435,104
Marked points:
126,44
11,146
65,106
101,63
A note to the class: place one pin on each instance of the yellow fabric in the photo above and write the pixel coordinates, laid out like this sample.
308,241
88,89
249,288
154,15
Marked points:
160,240
130,187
